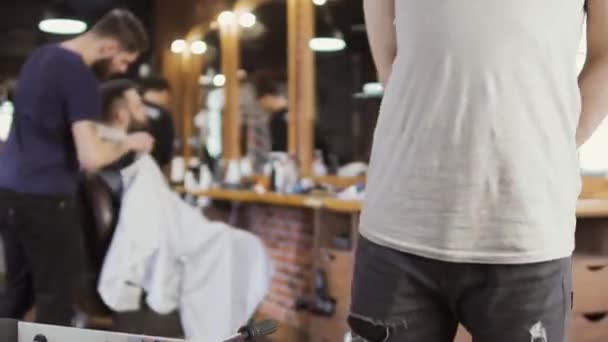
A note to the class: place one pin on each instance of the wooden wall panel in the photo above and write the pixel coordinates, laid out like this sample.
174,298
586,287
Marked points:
229,37
177,20
301,79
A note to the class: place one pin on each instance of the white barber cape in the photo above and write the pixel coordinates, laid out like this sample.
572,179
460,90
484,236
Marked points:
214,274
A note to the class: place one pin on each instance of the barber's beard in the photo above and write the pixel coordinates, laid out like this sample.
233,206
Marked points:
101,69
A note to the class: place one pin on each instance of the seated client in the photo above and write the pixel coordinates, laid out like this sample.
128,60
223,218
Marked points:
167,250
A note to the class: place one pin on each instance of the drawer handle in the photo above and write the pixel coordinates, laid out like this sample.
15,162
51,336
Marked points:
328,256
595,316
596,268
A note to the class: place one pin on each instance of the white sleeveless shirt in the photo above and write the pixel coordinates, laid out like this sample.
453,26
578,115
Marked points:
474,156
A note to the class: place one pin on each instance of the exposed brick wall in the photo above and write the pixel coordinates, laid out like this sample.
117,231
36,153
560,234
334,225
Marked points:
287,233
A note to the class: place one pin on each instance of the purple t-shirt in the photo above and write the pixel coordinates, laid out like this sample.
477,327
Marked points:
55,89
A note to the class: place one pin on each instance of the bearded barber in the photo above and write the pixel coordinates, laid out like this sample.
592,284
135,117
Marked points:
54,136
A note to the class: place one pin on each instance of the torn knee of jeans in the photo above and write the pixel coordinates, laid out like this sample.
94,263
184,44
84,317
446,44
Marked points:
373,330
538,333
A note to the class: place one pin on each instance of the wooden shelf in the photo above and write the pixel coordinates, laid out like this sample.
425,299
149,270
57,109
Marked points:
305,201
342,206
340,182
586,208
592,208
266,198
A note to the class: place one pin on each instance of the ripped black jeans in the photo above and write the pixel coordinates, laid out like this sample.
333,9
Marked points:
398,297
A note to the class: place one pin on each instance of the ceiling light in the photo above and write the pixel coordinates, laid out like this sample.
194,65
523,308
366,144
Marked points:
327,44
247,19
319,2
219,80
62,26
373,88
198,47
328,37
178,46
226,18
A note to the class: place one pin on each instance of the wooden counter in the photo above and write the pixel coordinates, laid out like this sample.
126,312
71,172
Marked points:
303,201
586,208
592,208
300,232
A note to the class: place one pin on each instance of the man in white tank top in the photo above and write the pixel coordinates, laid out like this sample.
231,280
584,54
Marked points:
469,215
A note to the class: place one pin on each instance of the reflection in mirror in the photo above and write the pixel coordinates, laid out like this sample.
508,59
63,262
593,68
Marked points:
263,54
207,143
264,90
348,98
264,57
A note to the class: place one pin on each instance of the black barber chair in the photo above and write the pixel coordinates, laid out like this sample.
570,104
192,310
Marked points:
100,195
100,208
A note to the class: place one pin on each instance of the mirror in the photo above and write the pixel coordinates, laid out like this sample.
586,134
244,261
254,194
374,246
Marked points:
264,91
262,56
347,98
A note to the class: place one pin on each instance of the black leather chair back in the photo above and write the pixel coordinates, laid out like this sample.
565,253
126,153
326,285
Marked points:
99,214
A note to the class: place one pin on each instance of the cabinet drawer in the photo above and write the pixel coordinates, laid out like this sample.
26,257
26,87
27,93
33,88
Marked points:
589,328
590,284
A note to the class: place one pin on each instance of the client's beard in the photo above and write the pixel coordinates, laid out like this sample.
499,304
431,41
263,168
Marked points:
101,69
138,126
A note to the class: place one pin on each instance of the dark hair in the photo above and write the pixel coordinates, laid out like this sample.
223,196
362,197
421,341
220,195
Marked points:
265,84
112,93
154,83
124,27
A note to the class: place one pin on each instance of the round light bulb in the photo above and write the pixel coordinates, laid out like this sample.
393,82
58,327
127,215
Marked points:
198,47
144,70
226,18
247,19
219,80
62,26
178,46
319,2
